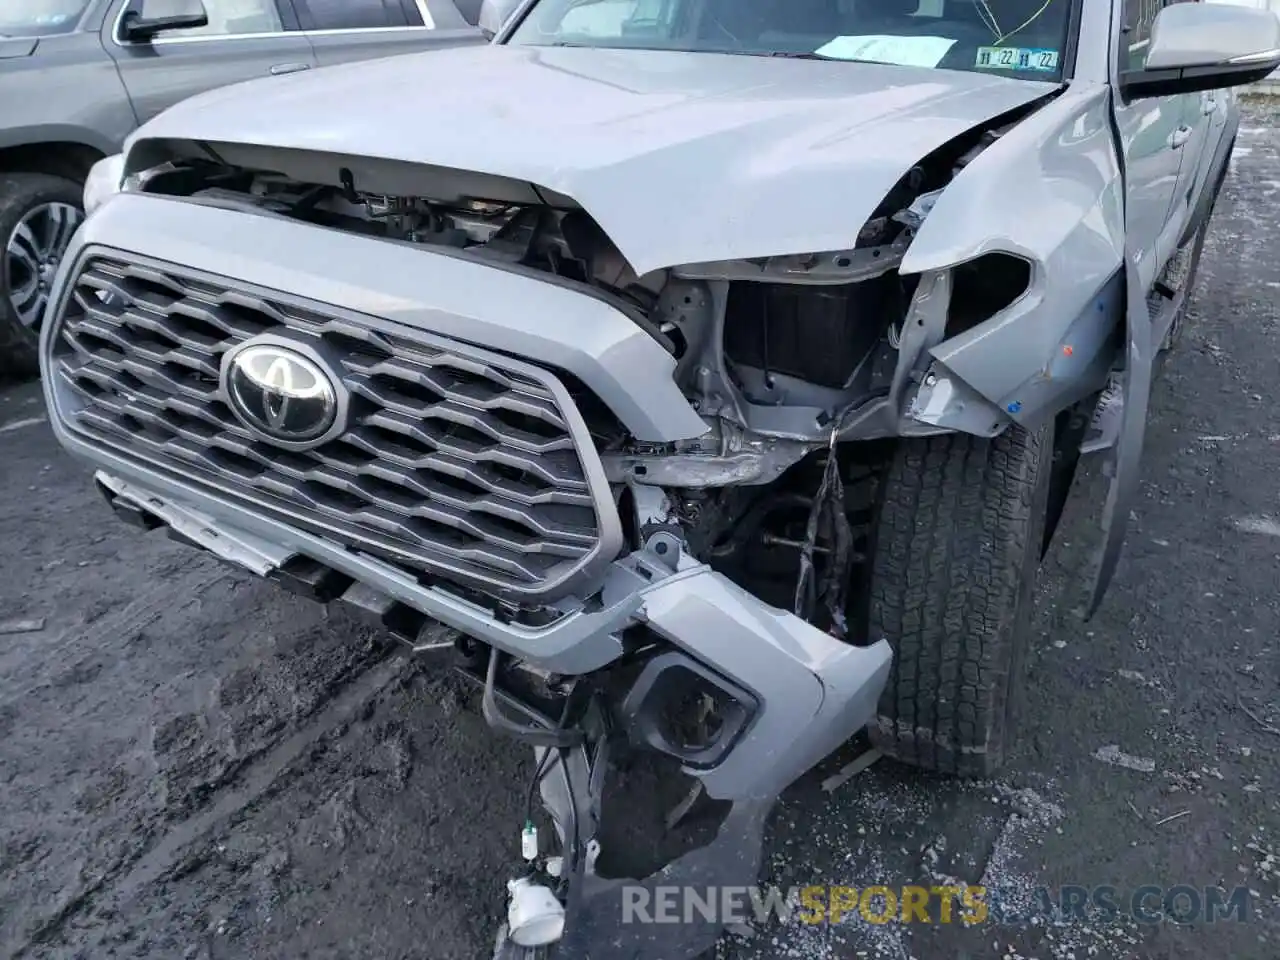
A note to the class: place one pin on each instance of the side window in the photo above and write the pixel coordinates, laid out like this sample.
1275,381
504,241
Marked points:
229,18
615,18
416,13
1139,16
357,14
470,10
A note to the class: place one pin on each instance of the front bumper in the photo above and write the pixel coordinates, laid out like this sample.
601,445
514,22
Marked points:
810,691
814,691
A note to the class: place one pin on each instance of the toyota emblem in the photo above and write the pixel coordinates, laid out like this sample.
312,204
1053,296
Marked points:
280,393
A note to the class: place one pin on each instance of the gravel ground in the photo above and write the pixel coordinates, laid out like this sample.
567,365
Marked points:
194,765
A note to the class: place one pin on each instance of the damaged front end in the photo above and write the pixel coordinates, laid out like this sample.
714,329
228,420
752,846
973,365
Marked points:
463,504
636,506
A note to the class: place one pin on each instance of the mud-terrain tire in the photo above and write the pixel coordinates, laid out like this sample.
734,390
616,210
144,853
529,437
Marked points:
21,193
955,551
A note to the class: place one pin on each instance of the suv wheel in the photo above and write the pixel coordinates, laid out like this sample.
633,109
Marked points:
39,214
955,552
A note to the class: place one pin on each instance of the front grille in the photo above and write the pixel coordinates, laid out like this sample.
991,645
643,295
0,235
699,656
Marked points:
456,462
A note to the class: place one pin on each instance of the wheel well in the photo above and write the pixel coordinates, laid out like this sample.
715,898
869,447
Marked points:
69,160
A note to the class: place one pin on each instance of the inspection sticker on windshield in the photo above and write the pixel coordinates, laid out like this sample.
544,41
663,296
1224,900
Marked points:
900,51
1017,58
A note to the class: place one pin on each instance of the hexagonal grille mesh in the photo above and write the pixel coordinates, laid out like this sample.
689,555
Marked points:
452,463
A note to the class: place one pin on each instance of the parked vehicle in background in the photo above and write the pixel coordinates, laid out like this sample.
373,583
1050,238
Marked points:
77,76
711,373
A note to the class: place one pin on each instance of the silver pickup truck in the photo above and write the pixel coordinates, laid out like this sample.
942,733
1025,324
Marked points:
78,76
709,374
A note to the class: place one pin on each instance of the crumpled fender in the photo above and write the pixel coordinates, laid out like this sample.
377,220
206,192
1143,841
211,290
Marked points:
1126,456
1035,355
1049,162
1061,162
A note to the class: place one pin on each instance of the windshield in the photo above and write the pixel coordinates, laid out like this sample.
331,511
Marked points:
39,18
1025,38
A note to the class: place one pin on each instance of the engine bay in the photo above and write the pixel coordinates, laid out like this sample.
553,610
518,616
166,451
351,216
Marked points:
779,307
776,354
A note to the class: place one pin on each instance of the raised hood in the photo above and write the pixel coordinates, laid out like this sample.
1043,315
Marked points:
680,157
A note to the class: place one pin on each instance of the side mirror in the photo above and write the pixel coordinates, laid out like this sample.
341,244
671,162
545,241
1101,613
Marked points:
146,18
1206,46
494,13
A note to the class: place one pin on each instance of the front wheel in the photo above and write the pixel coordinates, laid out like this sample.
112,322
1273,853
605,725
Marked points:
39,214
955,550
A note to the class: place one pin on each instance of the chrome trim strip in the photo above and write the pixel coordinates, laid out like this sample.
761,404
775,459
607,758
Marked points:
117,39
1260,57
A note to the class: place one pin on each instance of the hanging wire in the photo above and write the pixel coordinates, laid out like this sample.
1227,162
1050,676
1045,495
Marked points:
828,502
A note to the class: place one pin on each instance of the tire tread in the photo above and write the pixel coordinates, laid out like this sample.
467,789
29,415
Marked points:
955,550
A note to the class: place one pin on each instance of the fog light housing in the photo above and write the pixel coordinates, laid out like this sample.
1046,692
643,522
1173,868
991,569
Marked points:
665,690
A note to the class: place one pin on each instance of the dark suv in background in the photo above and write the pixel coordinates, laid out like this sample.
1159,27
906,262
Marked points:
77,76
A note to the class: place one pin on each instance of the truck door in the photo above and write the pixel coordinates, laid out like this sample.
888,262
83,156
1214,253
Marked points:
243,40
1204,114
1154,136
1208,112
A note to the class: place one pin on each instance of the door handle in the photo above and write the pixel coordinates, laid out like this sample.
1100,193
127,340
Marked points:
1179,137
283,68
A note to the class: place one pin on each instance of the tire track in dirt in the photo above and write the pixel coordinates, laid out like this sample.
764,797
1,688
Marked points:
170,849
177,594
